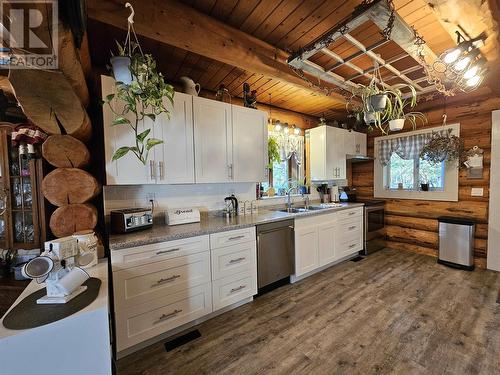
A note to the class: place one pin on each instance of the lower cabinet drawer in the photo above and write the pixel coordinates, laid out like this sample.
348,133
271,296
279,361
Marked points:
233,289
138,285
137,324
231,260
349,247
349,230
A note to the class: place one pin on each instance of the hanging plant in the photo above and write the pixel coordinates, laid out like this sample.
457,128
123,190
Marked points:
143,98
447,147
397,113
273,152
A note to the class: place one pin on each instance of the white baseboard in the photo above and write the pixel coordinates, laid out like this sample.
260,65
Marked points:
294,279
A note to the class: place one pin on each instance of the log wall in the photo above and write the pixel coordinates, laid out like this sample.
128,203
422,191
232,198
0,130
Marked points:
412,224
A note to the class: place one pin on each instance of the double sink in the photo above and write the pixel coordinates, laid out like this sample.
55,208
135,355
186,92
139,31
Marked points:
297,210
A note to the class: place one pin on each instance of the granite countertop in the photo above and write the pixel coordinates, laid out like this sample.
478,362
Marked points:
210,224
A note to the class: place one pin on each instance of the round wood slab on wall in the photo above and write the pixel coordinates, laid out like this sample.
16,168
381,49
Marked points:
69,219
65,186
65,151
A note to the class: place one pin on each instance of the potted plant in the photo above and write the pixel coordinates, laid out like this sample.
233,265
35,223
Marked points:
443,147
143,98
398,105
424,182
120,65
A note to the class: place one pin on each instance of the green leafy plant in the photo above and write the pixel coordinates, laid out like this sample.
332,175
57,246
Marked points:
398,105
370,115
273,151
447,147
143,98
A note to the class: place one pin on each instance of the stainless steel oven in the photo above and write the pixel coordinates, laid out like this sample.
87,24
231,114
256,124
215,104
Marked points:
375,234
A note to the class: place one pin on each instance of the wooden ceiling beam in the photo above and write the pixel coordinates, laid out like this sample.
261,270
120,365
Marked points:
175,24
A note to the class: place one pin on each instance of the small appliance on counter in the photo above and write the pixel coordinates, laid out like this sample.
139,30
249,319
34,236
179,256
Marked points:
347,194
131,219
231,205
176,216
56,266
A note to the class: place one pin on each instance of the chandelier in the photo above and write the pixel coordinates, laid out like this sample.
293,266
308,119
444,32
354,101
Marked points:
461,68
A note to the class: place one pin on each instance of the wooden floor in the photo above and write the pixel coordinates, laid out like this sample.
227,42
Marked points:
391,313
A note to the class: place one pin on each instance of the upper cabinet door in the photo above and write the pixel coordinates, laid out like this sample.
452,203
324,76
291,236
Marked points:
127,170
175,157
336,152
213,140
249,144
350,143
360,143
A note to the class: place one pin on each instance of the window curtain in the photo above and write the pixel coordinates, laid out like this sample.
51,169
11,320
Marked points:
407,148
291,146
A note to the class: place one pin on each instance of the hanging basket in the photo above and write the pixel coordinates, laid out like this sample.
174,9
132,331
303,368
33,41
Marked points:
397,124
378,102
369,118
121,69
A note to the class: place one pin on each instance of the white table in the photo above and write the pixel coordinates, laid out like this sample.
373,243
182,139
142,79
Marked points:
78,344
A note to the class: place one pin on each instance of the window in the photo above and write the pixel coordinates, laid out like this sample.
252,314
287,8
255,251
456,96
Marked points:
281,174
399,172
412,173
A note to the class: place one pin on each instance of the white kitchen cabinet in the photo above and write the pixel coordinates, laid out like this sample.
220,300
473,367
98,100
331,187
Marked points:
355,143
326,242
328,153
174,159
213,140
169,163
306,249
249,144
127,170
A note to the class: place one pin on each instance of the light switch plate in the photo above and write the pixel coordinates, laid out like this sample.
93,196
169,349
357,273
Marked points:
477,192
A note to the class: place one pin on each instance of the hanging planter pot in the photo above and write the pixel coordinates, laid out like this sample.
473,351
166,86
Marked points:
121,69
369,118
378,102
397,124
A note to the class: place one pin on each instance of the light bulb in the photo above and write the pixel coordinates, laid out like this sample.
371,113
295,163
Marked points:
471,82
286,130
296,131
452,56
471,72
462,64
277,127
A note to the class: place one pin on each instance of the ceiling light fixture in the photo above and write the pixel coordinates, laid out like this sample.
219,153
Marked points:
461,68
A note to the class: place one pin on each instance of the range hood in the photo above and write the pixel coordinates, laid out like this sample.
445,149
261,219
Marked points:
358,158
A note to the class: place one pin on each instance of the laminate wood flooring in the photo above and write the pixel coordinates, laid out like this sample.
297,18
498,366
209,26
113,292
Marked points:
392,313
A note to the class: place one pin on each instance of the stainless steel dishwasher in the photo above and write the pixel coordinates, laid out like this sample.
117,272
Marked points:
275,252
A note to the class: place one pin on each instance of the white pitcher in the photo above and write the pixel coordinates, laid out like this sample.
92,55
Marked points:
189,86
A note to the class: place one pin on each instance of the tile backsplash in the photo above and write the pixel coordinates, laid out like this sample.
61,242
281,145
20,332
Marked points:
207,197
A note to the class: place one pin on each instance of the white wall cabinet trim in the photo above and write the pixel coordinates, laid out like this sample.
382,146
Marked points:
493,258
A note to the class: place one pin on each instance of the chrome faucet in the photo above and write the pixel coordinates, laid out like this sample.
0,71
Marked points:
289,197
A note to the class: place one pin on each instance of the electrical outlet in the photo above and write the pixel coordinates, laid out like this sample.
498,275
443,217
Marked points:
477,192
150,197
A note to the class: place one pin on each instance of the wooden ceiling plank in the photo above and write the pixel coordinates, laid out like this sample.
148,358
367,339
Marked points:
201,34
241,12
223,9
259,15
280,13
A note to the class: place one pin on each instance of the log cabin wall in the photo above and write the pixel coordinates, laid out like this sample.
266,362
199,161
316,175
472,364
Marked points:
412,225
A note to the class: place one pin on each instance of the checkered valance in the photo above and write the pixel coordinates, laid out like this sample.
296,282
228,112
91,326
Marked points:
407,147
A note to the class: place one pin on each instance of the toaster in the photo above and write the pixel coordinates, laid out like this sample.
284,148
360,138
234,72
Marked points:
131,219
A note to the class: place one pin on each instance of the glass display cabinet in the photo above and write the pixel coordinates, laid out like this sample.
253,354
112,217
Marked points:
19,209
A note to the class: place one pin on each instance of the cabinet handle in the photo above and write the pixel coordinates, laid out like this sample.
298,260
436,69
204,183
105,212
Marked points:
152,169
167,251
167,316
352,213
161,170
237,289
167,280
351,246
237,260
230,170
351,228
236,238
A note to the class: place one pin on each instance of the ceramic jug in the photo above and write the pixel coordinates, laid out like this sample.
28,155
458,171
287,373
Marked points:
189,87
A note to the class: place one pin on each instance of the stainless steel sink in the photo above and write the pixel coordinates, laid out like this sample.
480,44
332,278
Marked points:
294,210
314,208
